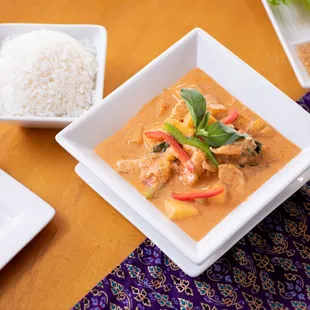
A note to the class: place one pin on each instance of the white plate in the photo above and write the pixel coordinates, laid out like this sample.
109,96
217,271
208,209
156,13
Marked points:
292,25
196,49
95,35
22,216
183,262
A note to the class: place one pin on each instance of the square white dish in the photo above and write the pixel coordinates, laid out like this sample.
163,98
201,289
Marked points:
196,49
94,35
292,25
166,246
22,216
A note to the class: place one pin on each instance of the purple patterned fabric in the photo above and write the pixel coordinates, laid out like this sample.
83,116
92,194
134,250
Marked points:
267,269
305,102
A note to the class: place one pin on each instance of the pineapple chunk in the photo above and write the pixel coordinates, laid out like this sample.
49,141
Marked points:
242,122
221,198
210,99
267,132
211,120
188,121
188,132
256,127
179,210
217,110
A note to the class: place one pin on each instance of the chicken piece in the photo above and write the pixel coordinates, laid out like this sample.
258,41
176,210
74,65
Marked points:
248,146
179,111
243,161
197,158
157,173
134,165
231,176
242,147
186,177
206,165
231,149
217,110
179,210
128,165
242,122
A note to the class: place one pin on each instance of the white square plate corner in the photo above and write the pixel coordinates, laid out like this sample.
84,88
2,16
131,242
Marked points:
22,216
196,49
95,35
291,23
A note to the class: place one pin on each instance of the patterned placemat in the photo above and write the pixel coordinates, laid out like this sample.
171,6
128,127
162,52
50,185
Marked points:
267,269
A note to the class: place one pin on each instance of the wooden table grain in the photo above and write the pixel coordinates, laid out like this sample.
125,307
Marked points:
87,237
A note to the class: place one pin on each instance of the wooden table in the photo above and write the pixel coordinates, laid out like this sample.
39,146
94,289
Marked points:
87,237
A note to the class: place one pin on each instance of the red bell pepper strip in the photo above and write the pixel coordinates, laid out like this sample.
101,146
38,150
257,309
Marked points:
198,194
232,116
177,149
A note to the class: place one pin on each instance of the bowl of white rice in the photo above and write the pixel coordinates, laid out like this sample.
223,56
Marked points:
50,74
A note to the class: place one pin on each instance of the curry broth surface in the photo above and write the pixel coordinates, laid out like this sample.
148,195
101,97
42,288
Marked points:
277,151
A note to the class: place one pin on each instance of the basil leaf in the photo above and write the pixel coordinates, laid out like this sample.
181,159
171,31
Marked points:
196,104
193,141
204,123
277,2
160,148
219,134
258,146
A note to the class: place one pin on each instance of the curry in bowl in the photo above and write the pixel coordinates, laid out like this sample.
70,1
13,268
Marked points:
196,152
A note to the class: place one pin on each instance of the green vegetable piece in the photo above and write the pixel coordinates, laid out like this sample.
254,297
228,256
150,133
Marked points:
258,146
277,2
204,123
196,104
160,148
253,164
193,141
218,134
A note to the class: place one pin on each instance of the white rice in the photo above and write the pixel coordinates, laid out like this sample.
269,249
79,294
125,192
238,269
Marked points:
46,73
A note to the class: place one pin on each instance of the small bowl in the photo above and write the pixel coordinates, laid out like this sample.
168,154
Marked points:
292,26
95,35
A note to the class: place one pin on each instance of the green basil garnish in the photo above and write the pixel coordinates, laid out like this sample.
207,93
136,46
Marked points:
258,146
193,141
160,148
204,123
196,104
218,134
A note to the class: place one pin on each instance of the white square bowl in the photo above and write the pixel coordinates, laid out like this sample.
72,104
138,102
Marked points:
196,49
95,35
